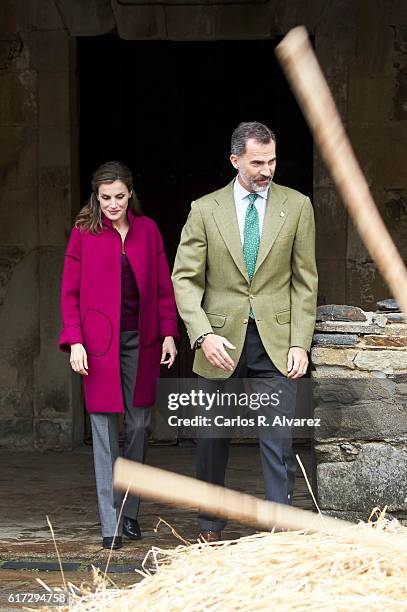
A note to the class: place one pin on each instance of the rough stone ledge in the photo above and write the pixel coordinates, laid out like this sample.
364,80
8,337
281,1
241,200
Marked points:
385,361
350,327
356,517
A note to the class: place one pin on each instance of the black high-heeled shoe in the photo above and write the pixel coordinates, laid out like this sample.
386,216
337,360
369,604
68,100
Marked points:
114,545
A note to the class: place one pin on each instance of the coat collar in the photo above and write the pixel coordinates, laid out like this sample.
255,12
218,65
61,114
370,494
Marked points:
226,220
131,217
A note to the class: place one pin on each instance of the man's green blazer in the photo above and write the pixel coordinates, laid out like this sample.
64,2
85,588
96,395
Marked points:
211,284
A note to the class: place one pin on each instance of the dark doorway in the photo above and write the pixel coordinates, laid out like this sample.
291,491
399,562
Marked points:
167,109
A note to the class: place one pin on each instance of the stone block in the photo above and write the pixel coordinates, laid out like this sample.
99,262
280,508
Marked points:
335,339
332,280
54,147
370,98
90,18
351,391
385,341
337,372
17,433
375,478
191,22
242,21
19,217
18,98
52,435
400,90
393,208
348,327
19,344
18,15
402,388
396,12
9,259
364,284
335,38
339,451
14,52
384,361
18,157
396,317
50,50
372,420
331,222
340,312
54,98
19,312
291,13
388,305
391,139
55,214
375,42
342,357
144,22
48,16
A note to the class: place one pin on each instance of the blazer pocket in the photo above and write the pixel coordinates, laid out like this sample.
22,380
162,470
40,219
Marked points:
216,320
97,332
283,317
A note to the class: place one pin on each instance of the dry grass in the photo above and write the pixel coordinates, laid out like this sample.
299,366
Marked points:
287,571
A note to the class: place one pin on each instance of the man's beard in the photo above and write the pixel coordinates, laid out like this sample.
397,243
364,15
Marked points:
251,183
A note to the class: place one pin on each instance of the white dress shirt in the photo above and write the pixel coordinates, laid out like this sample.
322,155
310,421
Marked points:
240,195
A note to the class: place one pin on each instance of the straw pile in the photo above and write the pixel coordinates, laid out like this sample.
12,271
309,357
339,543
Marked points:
286,571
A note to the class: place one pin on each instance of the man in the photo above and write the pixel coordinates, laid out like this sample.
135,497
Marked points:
245,281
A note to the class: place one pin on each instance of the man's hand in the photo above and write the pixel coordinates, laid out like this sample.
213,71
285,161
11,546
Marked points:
297,362
168,349
214,351
79,359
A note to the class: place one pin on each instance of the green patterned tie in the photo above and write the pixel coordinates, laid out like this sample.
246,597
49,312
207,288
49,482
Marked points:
251,238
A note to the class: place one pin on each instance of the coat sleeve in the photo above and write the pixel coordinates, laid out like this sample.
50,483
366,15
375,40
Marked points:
167,310
188,275
70,293
304,280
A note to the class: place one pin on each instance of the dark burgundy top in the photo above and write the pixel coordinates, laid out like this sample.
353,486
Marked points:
130,298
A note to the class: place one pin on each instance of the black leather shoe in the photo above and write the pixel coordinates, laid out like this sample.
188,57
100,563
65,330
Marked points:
108,542
131,528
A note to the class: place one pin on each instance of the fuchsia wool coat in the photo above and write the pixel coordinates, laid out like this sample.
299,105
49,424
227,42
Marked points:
91,306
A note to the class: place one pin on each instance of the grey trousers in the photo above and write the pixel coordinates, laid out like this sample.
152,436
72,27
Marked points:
106,442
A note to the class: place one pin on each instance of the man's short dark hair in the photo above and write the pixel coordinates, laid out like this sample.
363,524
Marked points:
245,131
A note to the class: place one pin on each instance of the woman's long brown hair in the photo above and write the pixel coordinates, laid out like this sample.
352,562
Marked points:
90,216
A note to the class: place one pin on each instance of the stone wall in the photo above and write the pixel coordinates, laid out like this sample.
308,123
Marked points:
38,166
360,373
364,55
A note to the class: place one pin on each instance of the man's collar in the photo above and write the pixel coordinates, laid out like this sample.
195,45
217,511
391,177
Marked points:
241,192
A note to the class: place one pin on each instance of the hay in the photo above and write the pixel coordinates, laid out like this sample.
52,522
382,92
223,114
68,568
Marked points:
287,570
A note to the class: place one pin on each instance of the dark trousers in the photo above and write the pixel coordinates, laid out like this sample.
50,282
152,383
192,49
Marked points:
277,459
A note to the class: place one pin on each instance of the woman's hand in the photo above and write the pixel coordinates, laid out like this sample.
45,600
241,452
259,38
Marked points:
168,348
79,359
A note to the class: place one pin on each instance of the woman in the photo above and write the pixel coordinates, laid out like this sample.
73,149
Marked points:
119,323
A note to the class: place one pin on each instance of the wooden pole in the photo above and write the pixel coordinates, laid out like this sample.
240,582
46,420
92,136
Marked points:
183,491
301,67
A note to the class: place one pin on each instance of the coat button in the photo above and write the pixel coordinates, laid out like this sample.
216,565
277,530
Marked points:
251,296
245,321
